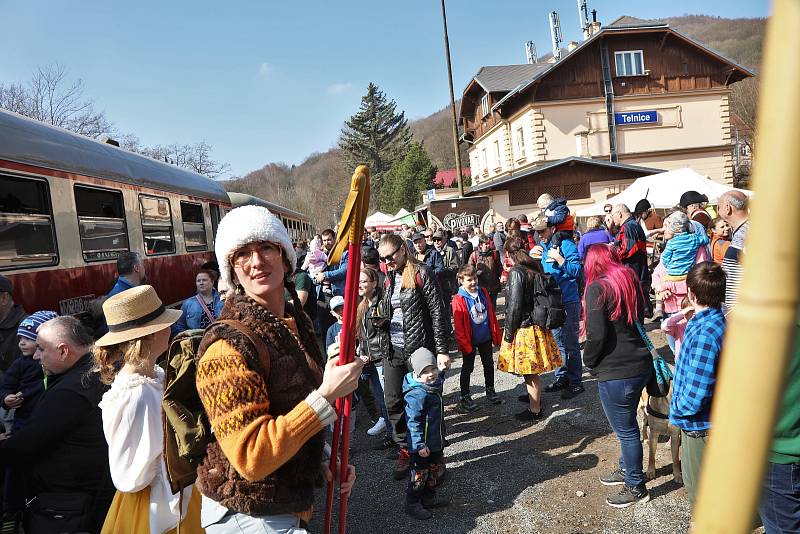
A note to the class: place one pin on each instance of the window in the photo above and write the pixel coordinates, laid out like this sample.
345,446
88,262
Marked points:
521,142
484,161
27,237
216,216
485,105
156,225
629,63
194,226
497,154
101,223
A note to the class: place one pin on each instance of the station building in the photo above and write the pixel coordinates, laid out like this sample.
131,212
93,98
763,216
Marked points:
634,98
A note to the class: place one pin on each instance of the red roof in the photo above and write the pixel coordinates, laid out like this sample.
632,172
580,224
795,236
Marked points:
447,177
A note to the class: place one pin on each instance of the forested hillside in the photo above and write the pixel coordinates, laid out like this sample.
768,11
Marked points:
318,186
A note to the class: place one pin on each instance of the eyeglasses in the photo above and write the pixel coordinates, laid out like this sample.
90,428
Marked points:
607,211
265,250
390,257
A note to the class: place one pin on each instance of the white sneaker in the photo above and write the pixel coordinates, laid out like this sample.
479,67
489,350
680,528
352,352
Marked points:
378,427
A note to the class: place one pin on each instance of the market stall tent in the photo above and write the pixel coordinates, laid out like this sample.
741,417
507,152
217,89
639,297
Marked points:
663,190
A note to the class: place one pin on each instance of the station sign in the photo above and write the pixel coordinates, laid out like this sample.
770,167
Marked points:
627,118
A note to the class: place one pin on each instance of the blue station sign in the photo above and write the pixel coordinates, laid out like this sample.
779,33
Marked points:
636,117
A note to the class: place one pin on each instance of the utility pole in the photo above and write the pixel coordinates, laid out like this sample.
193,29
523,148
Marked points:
452,105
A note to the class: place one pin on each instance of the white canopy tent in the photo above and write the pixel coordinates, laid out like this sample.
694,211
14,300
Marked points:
378,218
663,190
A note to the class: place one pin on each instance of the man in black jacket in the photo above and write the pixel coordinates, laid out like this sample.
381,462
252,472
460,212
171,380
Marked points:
63,444
11,314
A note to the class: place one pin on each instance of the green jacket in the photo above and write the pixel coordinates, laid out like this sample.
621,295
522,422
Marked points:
786,447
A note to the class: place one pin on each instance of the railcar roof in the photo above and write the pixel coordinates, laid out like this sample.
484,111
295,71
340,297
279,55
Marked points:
243,199
24,140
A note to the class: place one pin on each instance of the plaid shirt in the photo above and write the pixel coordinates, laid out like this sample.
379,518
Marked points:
696,371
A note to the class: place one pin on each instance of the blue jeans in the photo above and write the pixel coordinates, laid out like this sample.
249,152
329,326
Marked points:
780,502
374,377
567,340
620,398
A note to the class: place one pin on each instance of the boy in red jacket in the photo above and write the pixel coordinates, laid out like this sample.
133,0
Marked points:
476,330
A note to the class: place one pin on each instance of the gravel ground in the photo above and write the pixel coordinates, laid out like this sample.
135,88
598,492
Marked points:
512,478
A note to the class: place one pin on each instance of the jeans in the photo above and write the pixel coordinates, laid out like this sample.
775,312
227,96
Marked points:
468,365
620,398
780,502
374,378
394,370
567,340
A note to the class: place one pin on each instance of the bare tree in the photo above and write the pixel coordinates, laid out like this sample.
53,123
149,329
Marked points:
50,97
744,103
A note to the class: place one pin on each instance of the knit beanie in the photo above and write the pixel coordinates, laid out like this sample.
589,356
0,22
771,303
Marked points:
677,223
420,359
249,224
27,328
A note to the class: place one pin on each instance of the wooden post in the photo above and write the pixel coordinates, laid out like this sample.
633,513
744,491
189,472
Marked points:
452,105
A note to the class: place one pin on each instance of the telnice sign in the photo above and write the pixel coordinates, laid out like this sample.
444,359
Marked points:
636,117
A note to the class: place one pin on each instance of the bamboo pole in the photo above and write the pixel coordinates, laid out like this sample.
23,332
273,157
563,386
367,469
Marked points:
759,337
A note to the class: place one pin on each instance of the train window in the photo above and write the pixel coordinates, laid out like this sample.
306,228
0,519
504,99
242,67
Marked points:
194,227
27,237
156,225
101,223
216,216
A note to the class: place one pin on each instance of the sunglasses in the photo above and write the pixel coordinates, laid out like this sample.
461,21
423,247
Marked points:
390,257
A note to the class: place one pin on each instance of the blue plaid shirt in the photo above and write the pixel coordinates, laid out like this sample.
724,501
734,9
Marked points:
696,371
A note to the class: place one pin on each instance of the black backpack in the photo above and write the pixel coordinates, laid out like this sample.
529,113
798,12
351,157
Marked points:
548,310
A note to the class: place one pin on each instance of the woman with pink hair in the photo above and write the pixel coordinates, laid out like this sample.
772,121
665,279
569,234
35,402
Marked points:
615,350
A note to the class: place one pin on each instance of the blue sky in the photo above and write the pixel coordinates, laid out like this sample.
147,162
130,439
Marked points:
267,81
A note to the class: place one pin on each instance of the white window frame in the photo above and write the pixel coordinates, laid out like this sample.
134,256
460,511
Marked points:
485,105
497,154
621,67
521,142
485,161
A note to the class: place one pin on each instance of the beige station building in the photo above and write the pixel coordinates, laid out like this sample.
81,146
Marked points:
634,98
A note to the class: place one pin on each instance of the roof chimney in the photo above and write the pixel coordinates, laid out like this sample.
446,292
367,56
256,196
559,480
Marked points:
572,46
594,27
107,140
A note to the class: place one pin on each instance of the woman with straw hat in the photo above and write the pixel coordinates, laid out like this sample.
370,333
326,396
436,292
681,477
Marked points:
268,408
138,333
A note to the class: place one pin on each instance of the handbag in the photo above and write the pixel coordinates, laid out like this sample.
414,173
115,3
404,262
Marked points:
57,513
658,384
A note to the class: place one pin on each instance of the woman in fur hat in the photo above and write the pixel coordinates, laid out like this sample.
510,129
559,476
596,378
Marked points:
268,410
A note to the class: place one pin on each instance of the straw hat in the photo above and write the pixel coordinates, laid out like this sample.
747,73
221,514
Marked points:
135,313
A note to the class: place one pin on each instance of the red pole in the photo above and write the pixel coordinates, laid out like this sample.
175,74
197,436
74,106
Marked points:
341,429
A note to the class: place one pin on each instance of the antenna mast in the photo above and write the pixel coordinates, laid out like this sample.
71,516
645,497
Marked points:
530,52
583,17
555,34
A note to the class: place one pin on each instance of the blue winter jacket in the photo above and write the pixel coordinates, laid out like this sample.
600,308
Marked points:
192,313
567,274
337,275
424,414
23,375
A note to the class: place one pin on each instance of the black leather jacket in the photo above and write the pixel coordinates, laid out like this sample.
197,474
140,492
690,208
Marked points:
425,321
519,300
375,342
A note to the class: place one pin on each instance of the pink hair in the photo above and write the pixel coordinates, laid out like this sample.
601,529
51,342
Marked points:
621,290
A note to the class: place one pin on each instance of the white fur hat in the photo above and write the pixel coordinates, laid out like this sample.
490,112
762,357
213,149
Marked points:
245,225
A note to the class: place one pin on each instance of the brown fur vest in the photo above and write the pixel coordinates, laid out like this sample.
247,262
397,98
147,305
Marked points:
294,371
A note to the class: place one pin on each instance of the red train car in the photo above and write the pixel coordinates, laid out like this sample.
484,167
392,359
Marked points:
69,205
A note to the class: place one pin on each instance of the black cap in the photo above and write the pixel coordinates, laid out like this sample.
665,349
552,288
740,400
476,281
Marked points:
418,235
692,197
642,206
5,285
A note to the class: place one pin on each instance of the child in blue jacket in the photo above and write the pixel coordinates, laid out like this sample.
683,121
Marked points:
425,418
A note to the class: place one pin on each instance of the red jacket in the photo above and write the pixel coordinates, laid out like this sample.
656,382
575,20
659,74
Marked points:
463,324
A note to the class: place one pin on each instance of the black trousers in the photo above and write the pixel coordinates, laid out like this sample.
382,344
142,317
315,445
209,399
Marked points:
468,365
421,481
394,370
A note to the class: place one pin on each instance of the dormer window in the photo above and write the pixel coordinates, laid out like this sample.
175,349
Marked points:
485,105
629,63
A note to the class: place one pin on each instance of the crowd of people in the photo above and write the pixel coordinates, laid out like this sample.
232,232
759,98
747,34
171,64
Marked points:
84,442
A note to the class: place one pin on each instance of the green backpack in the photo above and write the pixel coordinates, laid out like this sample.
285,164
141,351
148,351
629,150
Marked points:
187,431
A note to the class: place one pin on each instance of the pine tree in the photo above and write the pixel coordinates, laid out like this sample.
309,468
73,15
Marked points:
406,180
376,136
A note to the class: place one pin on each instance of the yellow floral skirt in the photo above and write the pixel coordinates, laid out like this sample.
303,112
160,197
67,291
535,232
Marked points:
533,351
130,514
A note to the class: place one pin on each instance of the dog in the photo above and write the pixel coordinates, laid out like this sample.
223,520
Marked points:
655,417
